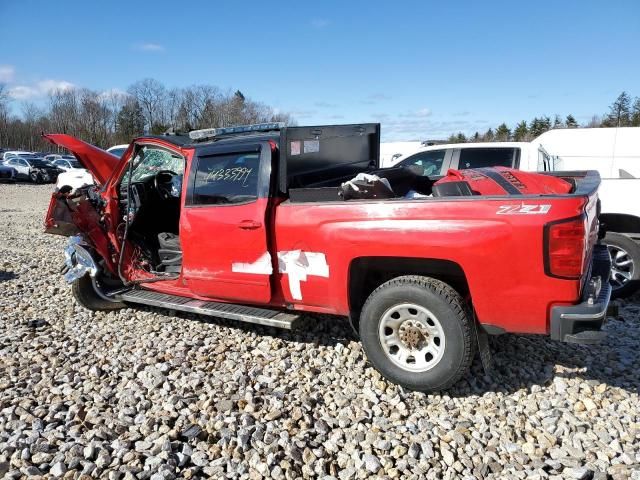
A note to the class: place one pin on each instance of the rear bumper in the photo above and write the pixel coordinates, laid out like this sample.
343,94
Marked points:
582,323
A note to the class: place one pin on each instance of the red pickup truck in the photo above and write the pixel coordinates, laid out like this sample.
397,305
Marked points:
252,223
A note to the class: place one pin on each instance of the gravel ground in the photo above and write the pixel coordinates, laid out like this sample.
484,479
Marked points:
152,394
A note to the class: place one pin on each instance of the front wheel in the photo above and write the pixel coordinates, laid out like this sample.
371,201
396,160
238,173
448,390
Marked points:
87,295
34,177
418,333
625,264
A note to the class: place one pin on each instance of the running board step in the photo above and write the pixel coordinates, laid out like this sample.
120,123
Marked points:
587,337
242,313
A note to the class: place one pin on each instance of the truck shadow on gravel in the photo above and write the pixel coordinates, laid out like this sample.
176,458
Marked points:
526,361
323,330
520,361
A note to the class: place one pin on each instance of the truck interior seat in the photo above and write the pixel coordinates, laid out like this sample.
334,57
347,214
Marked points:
170,252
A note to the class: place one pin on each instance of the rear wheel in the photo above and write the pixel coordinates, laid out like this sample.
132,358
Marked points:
625,264
88,294
417,332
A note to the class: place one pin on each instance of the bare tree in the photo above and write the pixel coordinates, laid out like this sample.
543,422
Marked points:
105,118
64,111
4,115
150,94
114,100
595,122
32,115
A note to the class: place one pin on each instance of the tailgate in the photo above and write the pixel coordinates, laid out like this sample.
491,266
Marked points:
586,184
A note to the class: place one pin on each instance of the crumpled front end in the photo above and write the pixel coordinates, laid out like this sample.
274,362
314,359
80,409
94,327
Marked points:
77,260
44,174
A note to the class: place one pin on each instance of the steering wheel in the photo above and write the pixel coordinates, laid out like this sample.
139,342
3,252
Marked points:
163,182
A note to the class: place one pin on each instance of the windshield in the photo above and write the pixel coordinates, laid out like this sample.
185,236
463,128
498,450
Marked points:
430,162
74,164
150,160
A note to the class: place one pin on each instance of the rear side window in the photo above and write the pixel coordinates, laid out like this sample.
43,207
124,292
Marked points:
225,179
430,162
486,157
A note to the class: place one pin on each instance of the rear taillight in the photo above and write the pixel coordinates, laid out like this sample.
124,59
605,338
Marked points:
564,243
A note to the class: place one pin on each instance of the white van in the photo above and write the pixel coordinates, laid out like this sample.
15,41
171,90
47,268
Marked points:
613,152
390,152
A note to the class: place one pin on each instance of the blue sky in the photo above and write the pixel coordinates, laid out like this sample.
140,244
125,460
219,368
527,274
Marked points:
423,69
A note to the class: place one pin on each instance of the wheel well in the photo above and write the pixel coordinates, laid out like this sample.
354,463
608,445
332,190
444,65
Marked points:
368,273
620,222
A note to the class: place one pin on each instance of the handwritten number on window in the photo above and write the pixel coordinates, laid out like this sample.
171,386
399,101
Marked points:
236,174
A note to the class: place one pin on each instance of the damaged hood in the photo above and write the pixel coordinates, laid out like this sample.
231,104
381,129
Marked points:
100,163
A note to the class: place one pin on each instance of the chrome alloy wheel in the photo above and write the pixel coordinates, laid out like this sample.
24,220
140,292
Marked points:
622,267
411,337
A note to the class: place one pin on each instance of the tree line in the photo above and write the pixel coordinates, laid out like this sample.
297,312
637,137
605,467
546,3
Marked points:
108,118
623,112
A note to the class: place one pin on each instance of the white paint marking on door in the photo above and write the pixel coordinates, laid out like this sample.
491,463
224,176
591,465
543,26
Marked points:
262,266
298,264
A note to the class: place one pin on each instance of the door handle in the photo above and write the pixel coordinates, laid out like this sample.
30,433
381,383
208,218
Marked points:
249,224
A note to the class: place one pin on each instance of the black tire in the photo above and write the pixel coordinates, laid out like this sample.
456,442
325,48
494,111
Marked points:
456,323
86,295
34,177
623,249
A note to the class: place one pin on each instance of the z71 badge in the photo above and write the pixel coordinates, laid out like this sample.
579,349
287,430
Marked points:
523,209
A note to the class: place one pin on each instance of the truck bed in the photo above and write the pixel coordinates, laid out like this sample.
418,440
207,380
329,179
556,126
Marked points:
497,242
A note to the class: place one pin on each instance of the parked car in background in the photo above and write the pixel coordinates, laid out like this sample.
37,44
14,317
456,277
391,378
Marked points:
33,168
15,153
613,152
118,150
7,173
73,173
67,164
75,178
52,157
